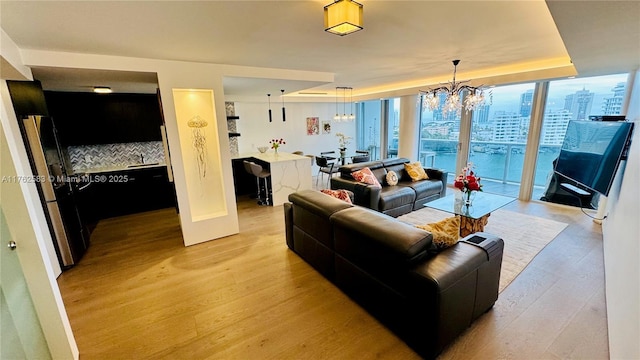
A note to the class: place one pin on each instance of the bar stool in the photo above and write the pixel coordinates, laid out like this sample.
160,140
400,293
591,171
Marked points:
260,173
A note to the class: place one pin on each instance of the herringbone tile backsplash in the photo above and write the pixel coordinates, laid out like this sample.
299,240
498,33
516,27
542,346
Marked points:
115,155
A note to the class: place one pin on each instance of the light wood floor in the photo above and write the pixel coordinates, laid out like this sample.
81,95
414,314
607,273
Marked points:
139,294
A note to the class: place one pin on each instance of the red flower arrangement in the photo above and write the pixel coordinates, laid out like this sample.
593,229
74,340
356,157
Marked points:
467,181
275,143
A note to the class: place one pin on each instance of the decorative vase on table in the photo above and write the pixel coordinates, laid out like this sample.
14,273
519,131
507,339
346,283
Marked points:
343,152
468,183
275,144
468,197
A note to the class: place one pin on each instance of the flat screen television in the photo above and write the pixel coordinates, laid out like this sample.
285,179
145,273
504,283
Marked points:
591,152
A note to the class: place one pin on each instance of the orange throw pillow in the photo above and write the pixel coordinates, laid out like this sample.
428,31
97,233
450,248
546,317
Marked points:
366,176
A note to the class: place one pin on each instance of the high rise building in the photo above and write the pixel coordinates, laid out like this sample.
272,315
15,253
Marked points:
506,126
526,99
613,105
579,104
481,114
554,126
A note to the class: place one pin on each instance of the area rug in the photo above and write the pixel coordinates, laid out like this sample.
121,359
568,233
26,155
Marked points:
524,236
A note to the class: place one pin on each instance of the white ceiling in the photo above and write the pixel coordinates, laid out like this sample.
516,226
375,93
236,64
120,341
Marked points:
404,44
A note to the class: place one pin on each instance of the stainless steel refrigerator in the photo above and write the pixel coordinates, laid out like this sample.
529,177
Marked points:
56,188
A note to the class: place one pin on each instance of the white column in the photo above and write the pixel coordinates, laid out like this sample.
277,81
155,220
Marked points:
409,135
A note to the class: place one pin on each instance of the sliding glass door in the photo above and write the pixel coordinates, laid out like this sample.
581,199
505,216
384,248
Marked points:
439,136
499,138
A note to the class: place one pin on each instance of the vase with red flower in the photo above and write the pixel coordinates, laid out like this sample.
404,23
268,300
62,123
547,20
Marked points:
468,183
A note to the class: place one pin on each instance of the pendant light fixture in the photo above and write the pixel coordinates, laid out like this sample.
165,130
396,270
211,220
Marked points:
284,118
336,117
344,116
269,97
351,116
344,105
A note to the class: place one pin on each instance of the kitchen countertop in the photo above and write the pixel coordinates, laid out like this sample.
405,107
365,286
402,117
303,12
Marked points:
271,157
119,168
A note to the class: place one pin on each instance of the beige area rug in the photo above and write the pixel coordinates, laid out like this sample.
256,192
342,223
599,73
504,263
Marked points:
524,236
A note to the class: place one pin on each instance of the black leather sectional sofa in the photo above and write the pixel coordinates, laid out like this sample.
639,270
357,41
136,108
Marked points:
395,200
388,267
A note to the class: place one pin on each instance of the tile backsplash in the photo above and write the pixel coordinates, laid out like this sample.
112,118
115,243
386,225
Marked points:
87,157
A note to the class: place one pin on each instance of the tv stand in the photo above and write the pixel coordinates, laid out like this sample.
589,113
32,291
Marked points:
574,189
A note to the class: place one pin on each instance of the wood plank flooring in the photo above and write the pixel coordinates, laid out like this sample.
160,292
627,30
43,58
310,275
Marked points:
140,294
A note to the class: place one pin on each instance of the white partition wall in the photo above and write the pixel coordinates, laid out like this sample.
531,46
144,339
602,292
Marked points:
200,148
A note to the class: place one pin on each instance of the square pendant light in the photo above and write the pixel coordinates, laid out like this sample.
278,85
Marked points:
343,17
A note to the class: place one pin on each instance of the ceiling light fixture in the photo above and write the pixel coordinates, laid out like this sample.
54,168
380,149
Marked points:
284,118
102,90
269,98
343,17
344,116
475,97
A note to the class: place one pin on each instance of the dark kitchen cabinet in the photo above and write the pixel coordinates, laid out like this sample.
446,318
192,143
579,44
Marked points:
126,192
88,118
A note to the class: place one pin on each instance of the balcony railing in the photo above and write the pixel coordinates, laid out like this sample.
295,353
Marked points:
498,161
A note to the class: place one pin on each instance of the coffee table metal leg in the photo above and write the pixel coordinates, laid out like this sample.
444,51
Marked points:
470,226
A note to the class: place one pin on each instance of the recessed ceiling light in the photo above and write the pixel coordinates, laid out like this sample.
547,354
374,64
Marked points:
102,89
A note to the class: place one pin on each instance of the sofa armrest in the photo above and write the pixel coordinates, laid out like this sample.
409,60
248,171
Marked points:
363,194
288,224
441,175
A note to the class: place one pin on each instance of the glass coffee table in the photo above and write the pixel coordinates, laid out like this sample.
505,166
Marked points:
473,218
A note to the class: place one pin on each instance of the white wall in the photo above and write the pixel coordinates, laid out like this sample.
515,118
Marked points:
622,248
256,130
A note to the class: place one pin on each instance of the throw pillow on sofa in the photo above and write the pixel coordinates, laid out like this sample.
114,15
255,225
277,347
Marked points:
416,171
446,233
344,195
366,176
392,178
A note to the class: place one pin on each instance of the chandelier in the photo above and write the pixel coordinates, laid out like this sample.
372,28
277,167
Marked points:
343,17
451,92
344,116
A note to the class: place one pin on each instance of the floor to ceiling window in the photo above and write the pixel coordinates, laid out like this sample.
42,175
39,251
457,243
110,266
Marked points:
572,99
499,133
439,135
368,127
393,127
378,127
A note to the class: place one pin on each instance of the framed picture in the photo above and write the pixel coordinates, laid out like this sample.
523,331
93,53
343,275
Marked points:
313,126
326,127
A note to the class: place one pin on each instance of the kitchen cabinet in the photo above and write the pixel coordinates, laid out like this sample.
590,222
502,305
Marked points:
88,118
127,191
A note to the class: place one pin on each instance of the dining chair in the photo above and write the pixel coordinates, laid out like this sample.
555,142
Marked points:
360,158
325,167
327,154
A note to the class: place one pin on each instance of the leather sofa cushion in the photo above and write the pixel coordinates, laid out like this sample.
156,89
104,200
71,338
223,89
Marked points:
380,174
370,238
311,212
395,196
424,188
318,202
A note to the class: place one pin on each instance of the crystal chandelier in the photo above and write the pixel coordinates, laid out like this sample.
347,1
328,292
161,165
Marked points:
452,104
344,116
